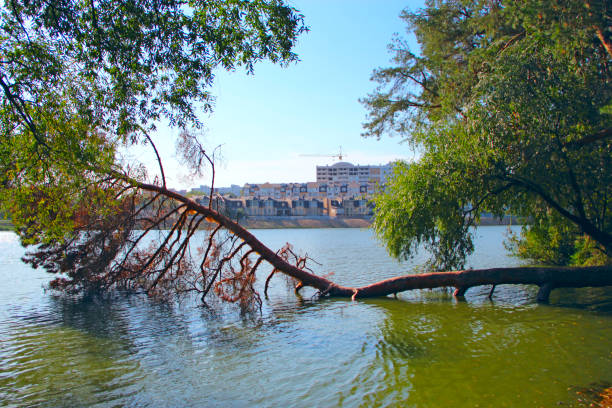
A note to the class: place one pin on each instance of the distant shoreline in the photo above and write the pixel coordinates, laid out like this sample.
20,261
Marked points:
304,222
314,222
339,222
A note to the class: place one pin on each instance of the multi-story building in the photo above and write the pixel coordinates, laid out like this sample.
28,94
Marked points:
345,172
341,190
237,208
278,190
350,208
341,180
311,190
268,207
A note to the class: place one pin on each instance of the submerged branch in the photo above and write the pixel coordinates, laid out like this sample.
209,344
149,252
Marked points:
307,278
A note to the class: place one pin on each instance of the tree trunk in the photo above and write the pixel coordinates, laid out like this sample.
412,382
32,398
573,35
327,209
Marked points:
547,278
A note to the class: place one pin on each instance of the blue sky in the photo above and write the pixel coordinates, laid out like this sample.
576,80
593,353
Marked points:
266,120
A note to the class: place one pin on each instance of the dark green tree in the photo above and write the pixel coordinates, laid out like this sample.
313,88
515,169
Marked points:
509,105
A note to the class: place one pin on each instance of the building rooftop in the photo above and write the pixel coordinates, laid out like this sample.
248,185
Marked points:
343,164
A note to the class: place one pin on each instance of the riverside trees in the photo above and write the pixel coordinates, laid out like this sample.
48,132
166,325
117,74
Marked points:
509,104
83,80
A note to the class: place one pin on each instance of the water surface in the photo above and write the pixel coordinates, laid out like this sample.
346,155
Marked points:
424,349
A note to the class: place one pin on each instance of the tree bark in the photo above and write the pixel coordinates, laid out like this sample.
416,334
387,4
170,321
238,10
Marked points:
545,277
607,45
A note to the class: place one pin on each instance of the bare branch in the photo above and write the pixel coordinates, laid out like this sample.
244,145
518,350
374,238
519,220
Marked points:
159,162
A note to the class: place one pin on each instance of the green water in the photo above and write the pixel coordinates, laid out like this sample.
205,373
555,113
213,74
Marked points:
424,349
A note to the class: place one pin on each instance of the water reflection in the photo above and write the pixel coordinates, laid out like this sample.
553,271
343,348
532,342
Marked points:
436,354
424,349
60,365
383,352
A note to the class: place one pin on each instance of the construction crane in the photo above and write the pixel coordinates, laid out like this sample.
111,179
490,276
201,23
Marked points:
339,155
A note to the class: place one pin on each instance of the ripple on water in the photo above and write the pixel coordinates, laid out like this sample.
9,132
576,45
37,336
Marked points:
425,349
59,366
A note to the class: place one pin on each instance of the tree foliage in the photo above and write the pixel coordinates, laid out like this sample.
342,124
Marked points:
552,240
509,104
81,79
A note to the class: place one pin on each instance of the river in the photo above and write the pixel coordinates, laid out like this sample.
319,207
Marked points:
424,349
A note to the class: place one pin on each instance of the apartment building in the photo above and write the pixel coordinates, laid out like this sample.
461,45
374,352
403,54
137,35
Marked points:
341,180
279,190
318,190
344,172
350,208
237,208
270,207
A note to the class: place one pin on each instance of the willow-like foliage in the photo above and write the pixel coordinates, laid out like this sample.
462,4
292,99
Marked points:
509,105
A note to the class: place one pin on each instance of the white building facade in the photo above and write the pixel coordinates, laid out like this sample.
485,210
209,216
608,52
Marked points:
342,180
344,172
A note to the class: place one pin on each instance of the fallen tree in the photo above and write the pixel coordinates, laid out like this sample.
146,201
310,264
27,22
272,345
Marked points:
547,278
228,263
